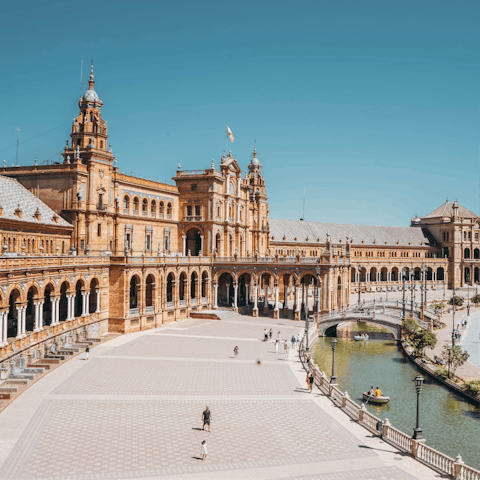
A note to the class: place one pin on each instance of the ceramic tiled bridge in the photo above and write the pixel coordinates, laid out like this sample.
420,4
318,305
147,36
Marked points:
387,314
133,411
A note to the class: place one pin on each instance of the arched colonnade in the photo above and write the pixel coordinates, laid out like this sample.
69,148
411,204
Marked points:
29,308
154,291
282,290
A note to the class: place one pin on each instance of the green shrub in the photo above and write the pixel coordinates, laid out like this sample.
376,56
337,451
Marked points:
458,301
475,299
473,386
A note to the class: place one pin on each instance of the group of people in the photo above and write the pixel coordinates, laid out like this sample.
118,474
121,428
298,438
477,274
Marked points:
374,392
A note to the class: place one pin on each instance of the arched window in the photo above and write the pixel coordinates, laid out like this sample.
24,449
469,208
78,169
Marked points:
126,204
466,253
170,287
153,209
135,205
169,210
144,207
149,291
161,211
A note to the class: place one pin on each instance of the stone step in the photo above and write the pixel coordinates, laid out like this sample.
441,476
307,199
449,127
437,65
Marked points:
7,393
68,352
33,369
22,376
44,366
95,340
55,357
15,382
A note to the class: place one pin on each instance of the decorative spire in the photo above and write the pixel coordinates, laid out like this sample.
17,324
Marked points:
91,81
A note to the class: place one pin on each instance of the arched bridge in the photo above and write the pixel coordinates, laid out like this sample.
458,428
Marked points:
389,318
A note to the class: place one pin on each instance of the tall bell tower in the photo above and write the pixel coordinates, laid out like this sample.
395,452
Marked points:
89,130
258,206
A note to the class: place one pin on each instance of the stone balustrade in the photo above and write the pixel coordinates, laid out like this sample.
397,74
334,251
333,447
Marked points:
454,468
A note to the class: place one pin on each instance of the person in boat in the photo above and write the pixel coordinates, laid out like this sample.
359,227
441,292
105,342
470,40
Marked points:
372,391
378,393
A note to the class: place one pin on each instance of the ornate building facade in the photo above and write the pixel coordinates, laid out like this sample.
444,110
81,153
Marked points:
85,245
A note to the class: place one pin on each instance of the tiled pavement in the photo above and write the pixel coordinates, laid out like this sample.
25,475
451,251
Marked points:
133,411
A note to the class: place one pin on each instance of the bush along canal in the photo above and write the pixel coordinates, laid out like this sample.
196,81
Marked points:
450,424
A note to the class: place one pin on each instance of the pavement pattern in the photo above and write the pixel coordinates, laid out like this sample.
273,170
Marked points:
133,411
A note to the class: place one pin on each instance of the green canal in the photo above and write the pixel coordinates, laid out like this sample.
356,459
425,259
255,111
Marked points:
450,424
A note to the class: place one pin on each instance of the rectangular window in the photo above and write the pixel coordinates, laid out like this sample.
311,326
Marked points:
193,186
148,242
197,210
189,211
99,230
100,198
476,236
82,243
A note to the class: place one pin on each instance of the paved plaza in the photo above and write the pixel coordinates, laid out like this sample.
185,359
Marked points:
133,411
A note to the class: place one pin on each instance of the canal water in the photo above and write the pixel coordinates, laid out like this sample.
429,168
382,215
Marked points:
450,424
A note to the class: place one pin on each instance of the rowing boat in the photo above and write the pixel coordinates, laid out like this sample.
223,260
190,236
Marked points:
374,399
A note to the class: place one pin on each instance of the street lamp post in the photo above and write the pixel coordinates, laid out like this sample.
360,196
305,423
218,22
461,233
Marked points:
422,275
426,278
318,272
307,348
404,274
359,284
417,432
412,274
333,379
453,317
468,298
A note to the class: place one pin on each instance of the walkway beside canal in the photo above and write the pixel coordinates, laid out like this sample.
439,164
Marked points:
133,411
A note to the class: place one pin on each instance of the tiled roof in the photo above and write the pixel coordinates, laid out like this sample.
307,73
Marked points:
446,210
317,232
14,194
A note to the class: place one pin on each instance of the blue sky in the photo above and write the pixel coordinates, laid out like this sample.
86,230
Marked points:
372,107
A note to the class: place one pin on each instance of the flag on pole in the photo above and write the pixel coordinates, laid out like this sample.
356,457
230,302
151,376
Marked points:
230,134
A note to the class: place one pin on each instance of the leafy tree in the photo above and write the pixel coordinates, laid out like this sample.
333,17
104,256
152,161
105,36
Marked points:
410,325
424,339
458,301
438,306
454,357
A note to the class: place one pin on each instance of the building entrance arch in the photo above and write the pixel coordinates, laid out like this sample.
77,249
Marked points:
225,290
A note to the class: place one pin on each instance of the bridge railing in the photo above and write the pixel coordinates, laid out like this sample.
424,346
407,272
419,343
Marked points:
434,459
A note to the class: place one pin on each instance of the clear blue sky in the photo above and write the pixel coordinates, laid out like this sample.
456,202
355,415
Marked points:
371,106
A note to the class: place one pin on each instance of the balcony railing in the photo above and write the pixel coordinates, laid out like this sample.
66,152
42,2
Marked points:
193,218
135,212
133,312
170,304
150,309
102,206
126,211
169,216
144,213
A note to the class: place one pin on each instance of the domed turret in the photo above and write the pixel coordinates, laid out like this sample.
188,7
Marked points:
254,163
91,95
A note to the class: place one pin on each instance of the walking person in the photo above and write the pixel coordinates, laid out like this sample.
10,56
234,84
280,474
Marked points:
276,345
298,338
265,335
310,381
285,347
270,333
87,352
293,341
279,336
204,450
206,417
235,351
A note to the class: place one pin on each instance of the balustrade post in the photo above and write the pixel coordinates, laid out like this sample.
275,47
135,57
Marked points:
247,294
265,304
184,248
344,399
385,426
415,447
361,412
228,294
457,468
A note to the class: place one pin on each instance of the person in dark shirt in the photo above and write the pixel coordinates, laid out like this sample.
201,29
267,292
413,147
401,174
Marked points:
206,416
